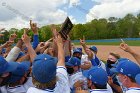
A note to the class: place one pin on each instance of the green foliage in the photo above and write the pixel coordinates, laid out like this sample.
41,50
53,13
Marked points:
127,27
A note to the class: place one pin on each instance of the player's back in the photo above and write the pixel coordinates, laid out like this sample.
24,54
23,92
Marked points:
62,85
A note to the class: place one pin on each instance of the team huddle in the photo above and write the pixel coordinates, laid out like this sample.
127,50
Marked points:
58,66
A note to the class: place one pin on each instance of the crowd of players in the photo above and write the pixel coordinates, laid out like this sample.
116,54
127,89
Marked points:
57,66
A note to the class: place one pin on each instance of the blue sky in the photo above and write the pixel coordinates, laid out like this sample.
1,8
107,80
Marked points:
80,12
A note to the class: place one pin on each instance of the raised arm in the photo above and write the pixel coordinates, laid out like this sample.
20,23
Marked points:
67,47
9,42
13,54
34,29
61,56
12,37
24,58
126,48
86,49
83,43
26,39
54,33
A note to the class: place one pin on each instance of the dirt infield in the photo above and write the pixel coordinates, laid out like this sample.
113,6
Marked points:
104,50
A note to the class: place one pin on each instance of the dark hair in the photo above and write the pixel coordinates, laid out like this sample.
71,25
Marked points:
132,80
100,86
117,56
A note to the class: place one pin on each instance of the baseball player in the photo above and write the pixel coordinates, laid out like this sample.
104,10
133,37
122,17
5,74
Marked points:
19,81
74,70
92,54
5,69
48,74
97,80
111,62
127,71
77,53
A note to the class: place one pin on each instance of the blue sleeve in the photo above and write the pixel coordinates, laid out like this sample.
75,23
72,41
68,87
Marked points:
72,90
67,58
107,70
97,60
35,41
93,62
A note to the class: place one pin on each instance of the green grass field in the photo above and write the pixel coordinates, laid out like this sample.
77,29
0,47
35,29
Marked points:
131,43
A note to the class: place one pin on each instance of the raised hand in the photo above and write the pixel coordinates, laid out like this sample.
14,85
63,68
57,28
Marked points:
34,27
26,30
82,41
58,39
54,31
8,44
87,65
12,37
125,47
40,46
110,81
47,43
26,39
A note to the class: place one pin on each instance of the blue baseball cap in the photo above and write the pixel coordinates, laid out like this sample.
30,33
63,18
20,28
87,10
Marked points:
79,48
127,67
22,69
137,78
93,48
7,66
44,68
21,54
116,63
73,61
77,51
97,75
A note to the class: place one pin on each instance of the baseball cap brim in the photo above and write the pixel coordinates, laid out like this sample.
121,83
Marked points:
26,65
114,70
17,74
137,78
11,67
69,64
93,49
77,52
114,65
85,73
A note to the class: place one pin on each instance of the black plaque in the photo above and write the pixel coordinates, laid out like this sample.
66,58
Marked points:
66,28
